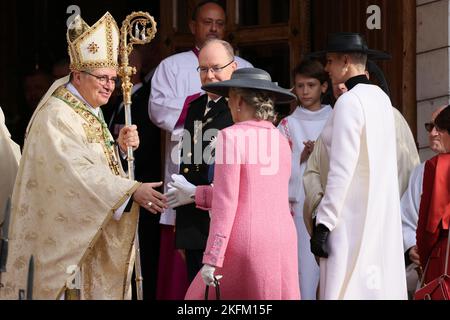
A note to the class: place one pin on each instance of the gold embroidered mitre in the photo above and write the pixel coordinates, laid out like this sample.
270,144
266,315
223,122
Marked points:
93,47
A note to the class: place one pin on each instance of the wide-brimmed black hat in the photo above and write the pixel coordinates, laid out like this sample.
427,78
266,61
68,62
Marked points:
251,78
349,42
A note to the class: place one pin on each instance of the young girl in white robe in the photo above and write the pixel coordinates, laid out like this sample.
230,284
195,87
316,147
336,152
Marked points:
302,128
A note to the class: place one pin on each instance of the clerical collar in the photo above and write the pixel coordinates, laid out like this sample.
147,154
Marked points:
75,92
352,82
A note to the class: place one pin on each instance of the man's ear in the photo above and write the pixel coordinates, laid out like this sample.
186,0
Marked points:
192,26
234,66
324,87
346,59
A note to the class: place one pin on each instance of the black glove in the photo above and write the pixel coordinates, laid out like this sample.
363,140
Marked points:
319,241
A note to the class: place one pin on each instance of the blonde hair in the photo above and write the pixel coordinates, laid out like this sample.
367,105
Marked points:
261,100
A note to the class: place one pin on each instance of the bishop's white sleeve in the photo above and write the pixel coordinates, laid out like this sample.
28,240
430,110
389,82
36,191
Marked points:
165,103
348,125
410,204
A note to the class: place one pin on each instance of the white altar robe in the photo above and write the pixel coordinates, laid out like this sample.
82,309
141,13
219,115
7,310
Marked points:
410,204
303,125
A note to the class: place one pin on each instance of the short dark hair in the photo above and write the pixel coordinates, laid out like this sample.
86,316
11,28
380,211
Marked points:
311,69
442,121
357,57
201,4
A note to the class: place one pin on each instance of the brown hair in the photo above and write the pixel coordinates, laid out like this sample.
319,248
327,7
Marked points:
311,69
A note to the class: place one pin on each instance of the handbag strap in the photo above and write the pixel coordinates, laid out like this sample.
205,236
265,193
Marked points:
217,286
447,252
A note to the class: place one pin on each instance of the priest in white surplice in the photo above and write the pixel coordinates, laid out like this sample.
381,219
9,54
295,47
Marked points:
358,225
176,83
410,204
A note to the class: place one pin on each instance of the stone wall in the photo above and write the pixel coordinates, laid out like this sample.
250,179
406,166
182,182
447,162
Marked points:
433,71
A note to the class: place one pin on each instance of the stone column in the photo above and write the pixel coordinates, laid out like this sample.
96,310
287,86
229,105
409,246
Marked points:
433,71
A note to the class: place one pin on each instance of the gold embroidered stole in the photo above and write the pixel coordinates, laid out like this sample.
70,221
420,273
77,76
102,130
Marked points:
95,127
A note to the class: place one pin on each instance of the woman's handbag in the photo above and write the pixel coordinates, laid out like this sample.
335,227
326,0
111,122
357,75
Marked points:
439,288
217,286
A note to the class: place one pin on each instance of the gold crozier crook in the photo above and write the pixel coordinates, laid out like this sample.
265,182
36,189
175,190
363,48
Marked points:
137,28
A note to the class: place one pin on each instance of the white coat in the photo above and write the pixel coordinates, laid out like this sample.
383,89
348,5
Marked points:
361,204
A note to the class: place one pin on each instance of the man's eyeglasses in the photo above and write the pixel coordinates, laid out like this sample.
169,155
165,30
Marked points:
204,70
103,80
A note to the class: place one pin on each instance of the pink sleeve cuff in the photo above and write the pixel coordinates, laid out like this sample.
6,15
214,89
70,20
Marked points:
216,253
203,197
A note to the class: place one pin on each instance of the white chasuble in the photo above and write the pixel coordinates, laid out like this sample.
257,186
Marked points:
68,186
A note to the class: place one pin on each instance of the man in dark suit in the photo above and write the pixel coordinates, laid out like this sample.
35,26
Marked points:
147,168
206,116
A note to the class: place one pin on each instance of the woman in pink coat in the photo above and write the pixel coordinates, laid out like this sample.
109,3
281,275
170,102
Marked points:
252,240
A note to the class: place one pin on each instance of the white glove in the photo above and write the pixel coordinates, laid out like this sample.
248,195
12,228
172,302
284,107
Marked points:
181,191
207,273
176,198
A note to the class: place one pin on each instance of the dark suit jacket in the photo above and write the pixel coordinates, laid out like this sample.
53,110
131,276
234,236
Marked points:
192,224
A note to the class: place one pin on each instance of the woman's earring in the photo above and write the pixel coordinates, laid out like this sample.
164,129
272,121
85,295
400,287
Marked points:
238,110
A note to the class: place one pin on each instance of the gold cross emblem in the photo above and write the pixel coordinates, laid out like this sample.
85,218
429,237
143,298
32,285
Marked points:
93,48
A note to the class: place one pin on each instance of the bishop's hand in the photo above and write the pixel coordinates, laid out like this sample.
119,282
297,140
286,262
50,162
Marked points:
149,198
128,137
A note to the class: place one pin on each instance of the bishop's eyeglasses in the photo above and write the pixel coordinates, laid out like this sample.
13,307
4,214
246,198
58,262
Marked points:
215,69
103,80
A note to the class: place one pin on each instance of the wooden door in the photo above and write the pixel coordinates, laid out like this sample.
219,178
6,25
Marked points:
271,34
396,35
